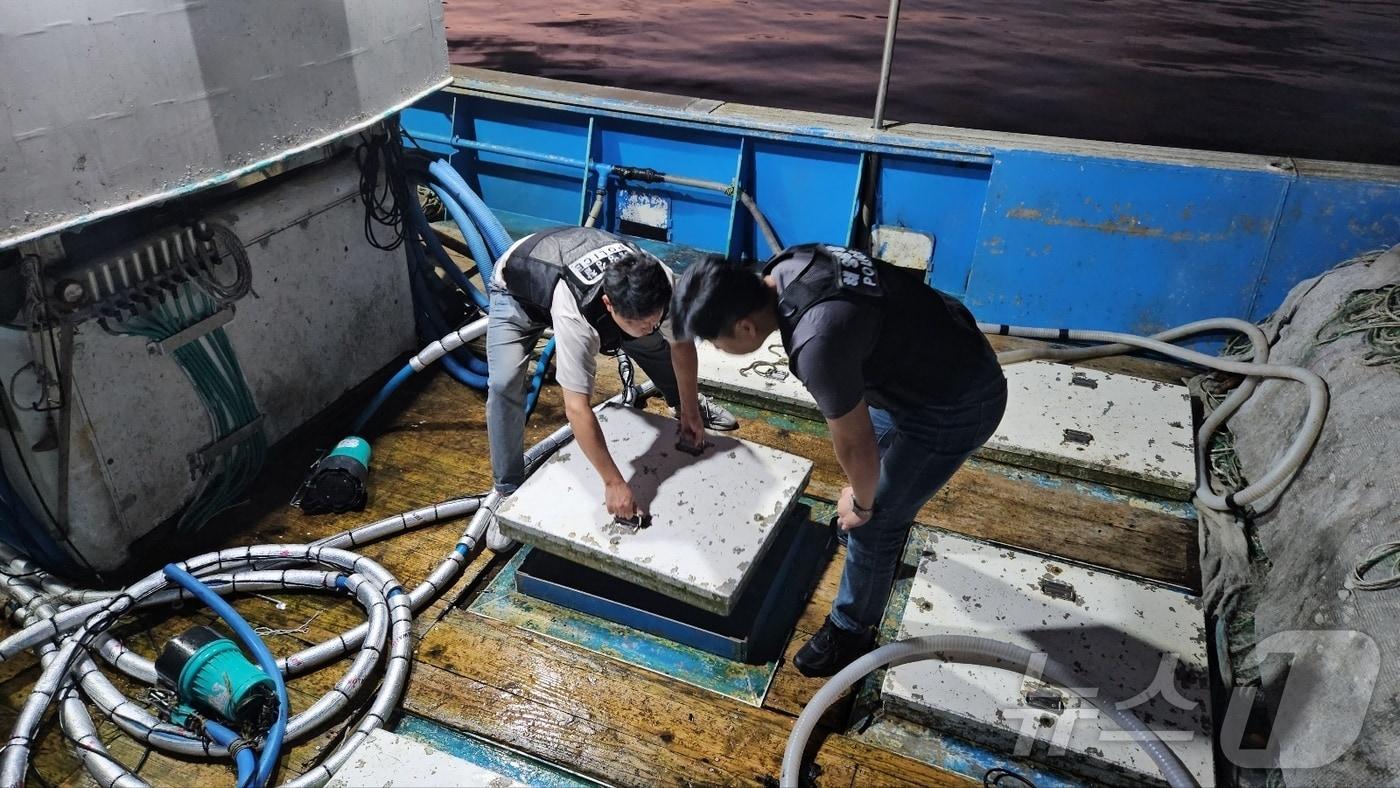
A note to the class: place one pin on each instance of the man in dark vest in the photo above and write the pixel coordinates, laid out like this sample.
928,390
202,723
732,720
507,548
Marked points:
600,294
908,385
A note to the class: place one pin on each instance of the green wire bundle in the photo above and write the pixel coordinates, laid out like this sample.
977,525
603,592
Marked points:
212,368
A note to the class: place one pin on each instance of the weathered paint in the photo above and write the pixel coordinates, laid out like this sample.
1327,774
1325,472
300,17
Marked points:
1138,645
644,207
489,756
1137,433
712,518
1029,230
742,682
903,247
1087,423
387,759
1101,492
930,745
755,632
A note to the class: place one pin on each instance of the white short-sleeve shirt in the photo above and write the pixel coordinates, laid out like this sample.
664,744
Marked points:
576,343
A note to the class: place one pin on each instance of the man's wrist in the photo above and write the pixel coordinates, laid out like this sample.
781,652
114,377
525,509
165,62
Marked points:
858,508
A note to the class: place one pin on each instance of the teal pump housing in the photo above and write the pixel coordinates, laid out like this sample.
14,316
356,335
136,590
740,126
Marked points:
337,482
211,676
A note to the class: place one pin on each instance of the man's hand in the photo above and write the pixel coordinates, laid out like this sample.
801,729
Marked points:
846,515
692,429
618,498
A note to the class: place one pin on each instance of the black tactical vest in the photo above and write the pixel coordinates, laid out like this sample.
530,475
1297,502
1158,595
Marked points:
928,350
578,256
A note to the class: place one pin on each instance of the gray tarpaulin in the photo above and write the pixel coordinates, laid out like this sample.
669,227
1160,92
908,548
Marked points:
1343,501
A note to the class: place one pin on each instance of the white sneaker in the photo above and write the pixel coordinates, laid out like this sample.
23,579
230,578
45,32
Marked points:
497,541
713,416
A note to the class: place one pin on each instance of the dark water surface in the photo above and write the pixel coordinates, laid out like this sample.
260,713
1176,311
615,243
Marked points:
1279,77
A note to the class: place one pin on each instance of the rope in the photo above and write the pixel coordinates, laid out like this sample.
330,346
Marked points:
1374,557
1375,313
305,625
1225,464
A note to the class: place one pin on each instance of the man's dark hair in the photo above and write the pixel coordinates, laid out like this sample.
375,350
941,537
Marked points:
713,294
636,286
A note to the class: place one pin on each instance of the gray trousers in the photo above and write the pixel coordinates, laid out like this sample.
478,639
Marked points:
511,336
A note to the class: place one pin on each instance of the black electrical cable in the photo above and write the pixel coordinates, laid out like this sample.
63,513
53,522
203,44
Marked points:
13,430
994,779
242,266
381,153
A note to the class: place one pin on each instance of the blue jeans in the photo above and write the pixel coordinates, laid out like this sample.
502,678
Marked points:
511,335
920,450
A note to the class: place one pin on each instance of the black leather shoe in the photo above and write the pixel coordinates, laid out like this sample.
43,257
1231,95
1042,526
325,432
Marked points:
831,649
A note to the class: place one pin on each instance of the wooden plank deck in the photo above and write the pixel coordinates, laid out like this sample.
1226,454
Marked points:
598,716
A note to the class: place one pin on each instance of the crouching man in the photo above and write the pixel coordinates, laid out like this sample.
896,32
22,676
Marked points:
600,294
908,385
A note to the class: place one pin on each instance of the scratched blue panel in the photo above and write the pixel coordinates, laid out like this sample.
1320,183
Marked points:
432,115
520,768
548,191
1131,246
698,218
939,198
1326,221
805,191
738,680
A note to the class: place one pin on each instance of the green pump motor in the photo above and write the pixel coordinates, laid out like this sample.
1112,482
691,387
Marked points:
336,483
210,676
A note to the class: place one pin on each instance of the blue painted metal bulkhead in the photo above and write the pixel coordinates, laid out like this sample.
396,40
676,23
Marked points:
1027,230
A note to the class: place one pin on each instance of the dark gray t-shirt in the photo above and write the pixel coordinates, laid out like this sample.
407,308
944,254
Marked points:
834,339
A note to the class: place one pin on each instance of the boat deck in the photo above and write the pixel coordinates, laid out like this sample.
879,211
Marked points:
596,716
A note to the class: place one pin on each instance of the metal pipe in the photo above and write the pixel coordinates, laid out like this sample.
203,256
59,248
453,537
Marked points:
594,213
769,237
891,26
607,170
503,150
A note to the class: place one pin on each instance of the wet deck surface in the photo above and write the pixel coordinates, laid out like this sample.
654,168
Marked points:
598,716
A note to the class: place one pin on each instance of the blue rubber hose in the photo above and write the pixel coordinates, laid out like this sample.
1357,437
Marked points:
537,382
469,374
20,528
246,760
496,236
380,398
471,232
462,374
419,223
437,324
272,745
475,244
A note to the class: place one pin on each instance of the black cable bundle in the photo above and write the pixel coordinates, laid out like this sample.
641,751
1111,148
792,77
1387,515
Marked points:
382,152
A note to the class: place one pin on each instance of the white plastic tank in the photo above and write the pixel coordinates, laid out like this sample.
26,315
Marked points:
107,105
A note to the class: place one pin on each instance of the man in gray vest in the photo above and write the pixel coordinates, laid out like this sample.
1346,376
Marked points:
908,385
600,294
